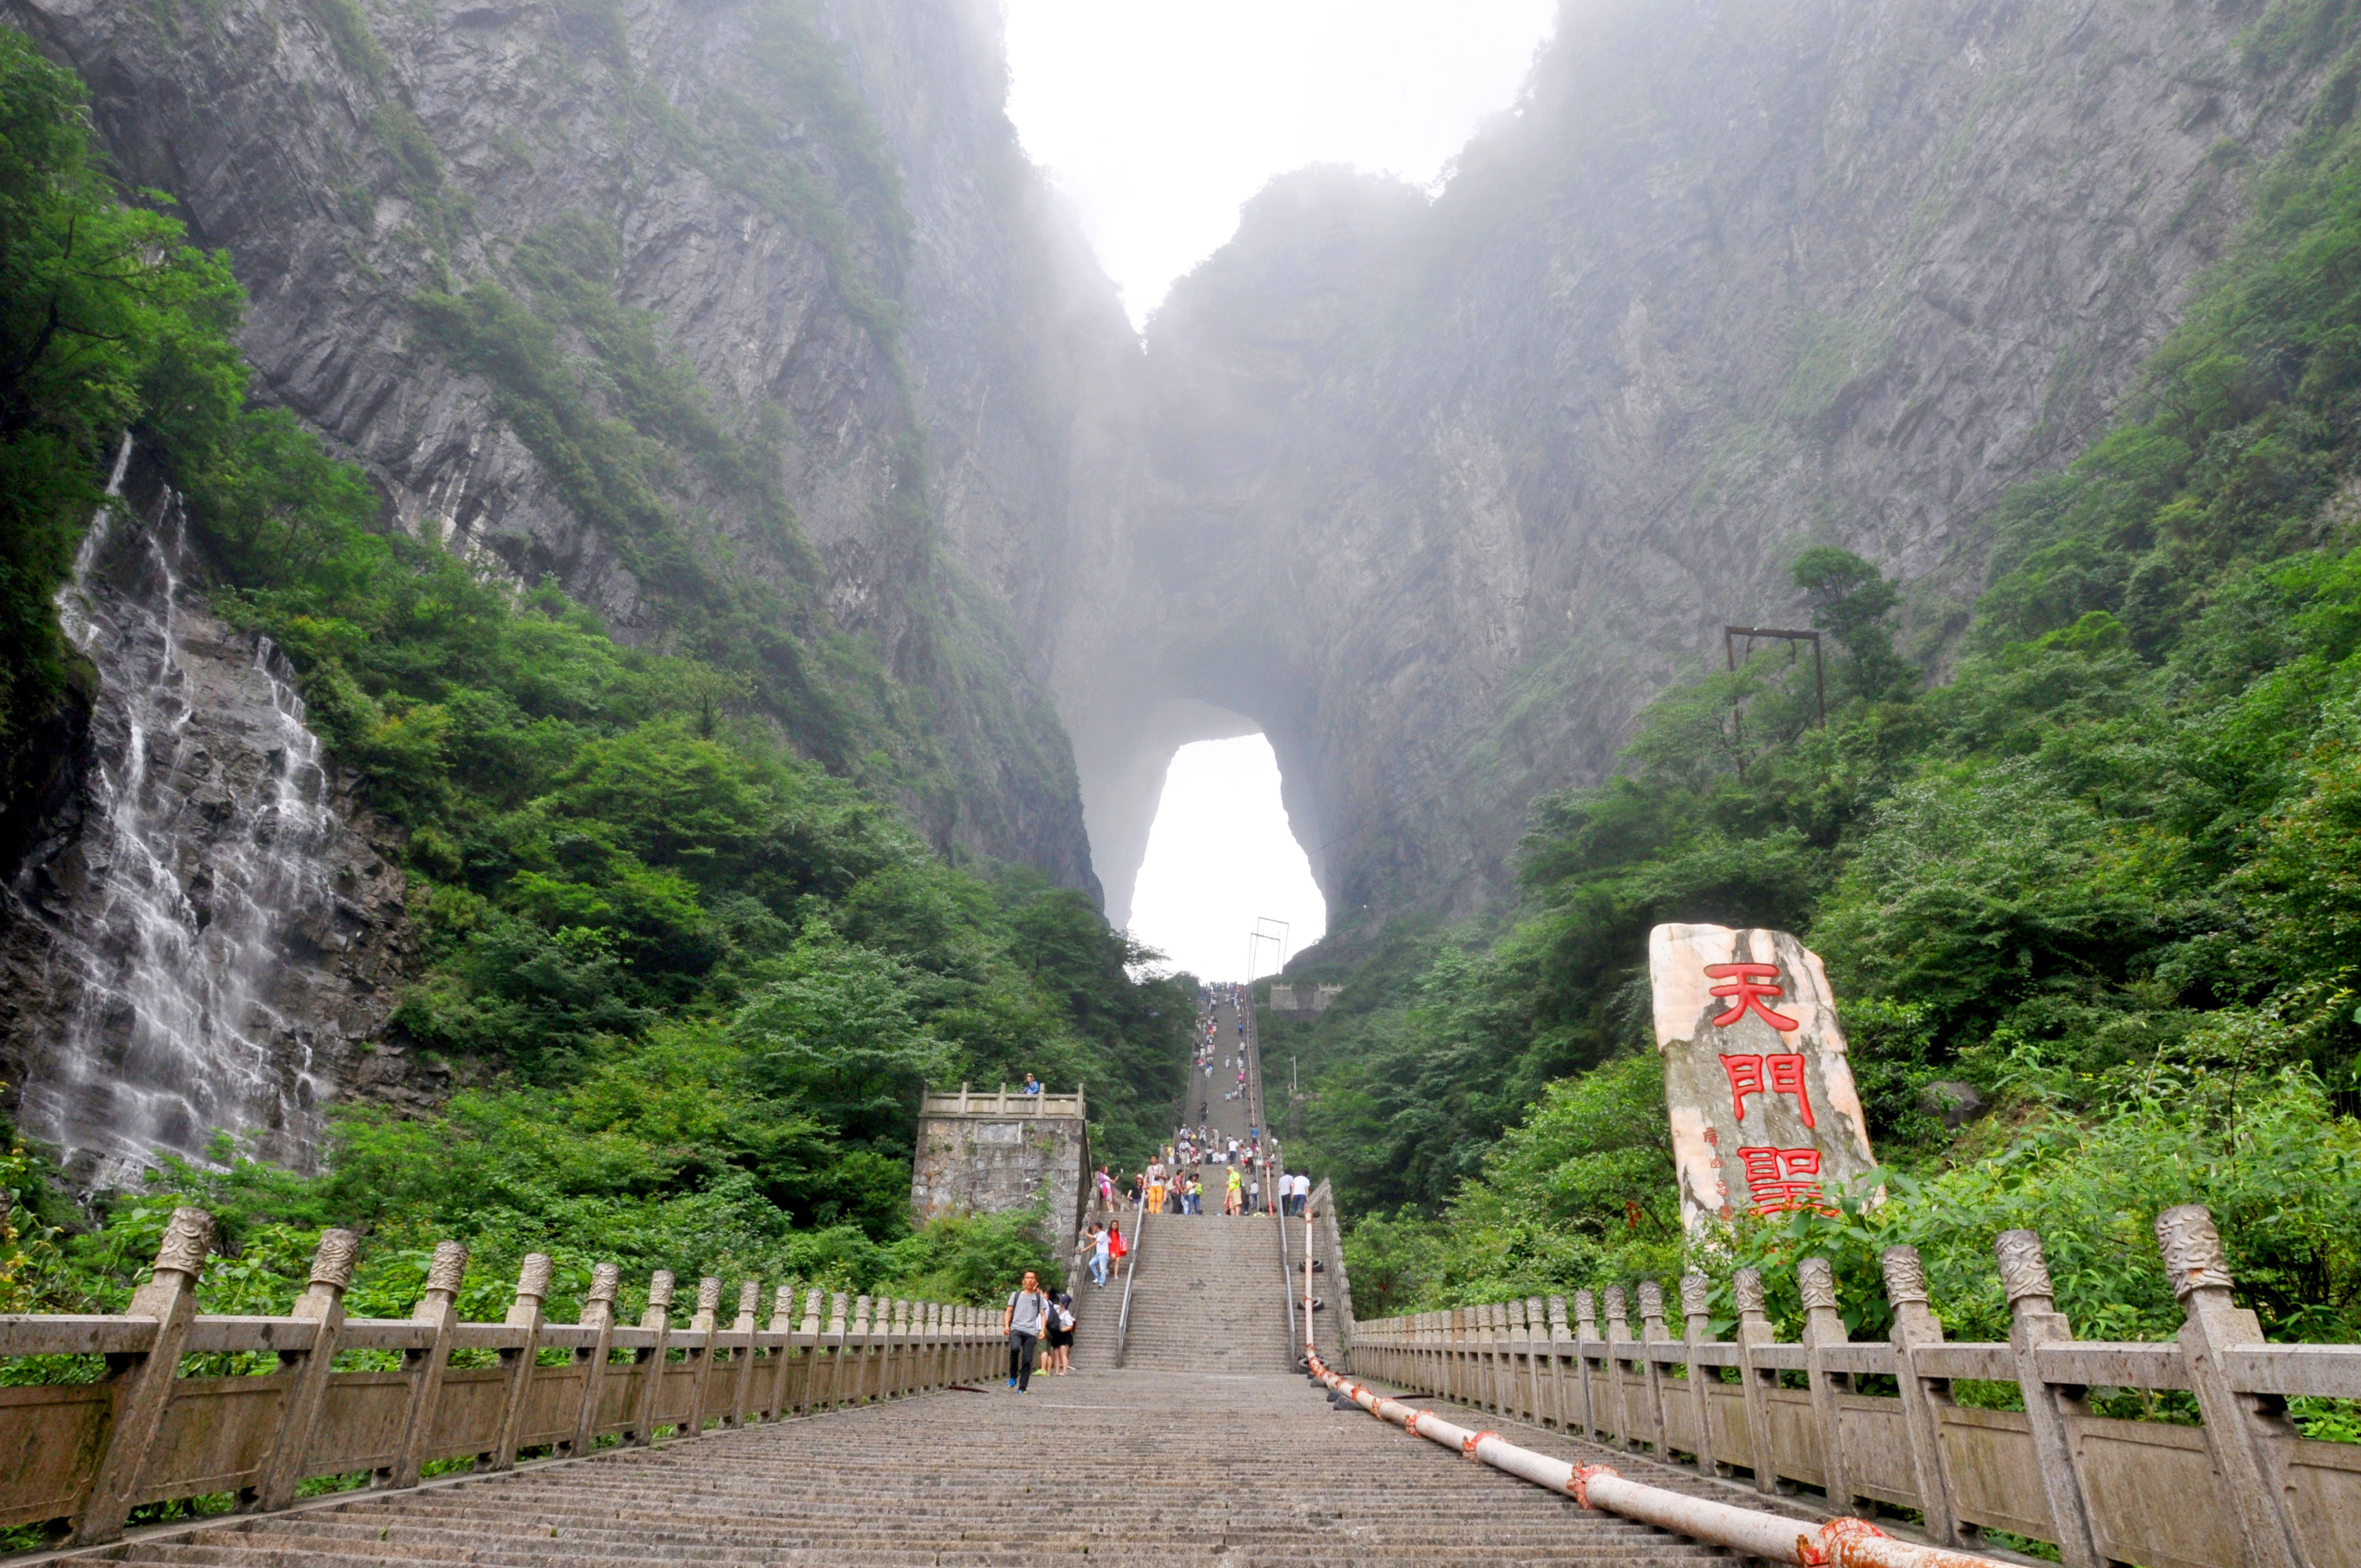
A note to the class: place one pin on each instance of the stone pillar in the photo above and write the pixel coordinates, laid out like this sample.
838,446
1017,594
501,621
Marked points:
1697,1329
425,1367
741,1403
1923,1399
1559,1346
1754,1331
599,1313
2247,1434
145,1379
2033,1321
306,1371
1620,1348
1536,1346
658,1317
783,1354
1824,1329
706,1324
1654,1340
1586,1315
808,1350
839,1331
525,1312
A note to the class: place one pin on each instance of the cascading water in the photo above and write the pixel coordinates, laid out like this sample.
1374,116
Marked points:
201,870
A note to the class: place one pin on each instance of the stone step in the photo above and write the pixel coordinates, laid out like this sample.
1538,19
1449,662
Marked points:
1138,1467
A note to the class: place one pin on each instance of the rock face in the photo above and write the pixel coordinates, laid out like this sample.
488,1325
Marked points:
210,932
1439,494
713,166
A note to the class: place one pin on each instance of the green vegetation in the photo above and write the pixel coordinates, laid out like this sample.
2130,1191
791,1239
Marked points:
2106,873
697,977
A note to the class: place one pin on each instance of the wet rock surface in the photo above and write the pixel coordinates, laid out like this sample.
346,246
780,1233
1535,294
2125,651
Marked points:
212,929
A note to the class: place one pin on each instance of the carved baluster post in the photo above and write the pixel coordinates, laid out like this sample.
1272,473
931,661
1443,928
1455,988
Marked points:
144,1378
1559,1349
525,1312
1754,1331
809,1338
863,1347
1620,1349
838,1329
1824,1329
782,1354
1454,1352
742,1403
425,1367
306,1371
658,1317
1516,1350
1514,1347
1916,1325
1486,1322
1656,1348
706,1323
1504,1358
2248,1434
2033,1321
1585,1336
597,1313
1697,1329
1536,1346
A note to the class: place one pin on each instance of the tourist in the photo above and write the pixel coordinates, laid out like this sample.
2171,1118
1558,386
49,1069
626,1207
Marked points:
1234,1194
1026,1317
1100,1244
1254,1194
1115,1247
1032,1084
1302,1192
1062,1334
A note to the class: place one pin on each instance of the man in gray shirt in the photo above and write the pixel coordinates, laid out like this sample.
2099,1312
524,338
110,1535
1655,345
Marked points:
1025,1320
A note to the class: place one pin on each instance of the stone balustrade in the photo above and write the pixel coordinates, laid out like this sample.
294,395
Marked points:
2240,1490
80,1456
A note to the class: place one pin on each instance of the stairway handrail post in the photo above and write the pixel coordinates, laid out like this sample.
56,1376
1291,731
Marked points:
144,1378
322,1302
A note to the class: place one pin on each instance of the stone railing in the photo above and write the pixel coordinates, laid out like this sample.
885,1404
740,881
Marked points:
80,1456
1003,1102
2241,1490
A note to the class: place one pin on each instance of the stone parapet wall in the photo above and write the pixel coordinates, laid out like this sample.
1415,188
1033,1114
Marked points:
989,1154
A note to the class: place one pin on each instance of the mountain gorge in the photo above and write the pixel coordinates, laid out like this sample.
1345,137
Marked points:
1455,487
735,351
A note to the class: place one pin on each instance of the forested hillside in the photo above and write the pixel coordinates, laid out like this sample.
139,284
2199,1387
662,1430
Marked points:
695,978
2087,877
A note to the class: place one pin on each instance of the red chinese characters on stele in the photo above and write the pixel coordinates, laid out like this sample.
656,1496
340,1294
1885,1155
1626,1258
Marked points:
1777,1179
1781,1179
1759,1095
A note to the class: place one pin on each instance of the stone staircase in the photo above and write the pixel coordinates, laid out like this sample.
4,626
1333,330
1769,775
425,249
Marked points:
1124,1467
1211,1297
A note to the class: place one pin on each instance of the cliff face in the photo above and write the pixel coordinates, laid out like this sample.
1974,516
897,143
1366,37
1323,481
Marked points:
448,216
1442,493
747,323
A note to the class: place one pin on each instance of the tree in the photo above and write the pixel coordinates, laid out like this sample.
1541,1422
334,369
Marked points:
1850,601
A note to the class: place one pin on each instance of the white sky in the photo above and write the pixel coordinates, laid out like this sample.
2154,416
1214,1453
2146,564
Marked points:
1159,117
1219,858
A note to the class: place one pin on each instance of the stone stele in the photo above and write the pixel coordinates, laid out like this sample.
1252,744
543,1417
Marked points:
1757,1084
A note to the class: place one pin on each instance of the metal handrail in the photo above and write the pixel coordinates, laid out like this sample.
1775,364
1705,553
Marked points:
1130,1273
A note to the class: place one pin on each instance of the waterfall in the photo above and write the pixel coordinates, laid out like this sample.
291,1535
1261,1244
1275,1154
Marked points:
202,854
